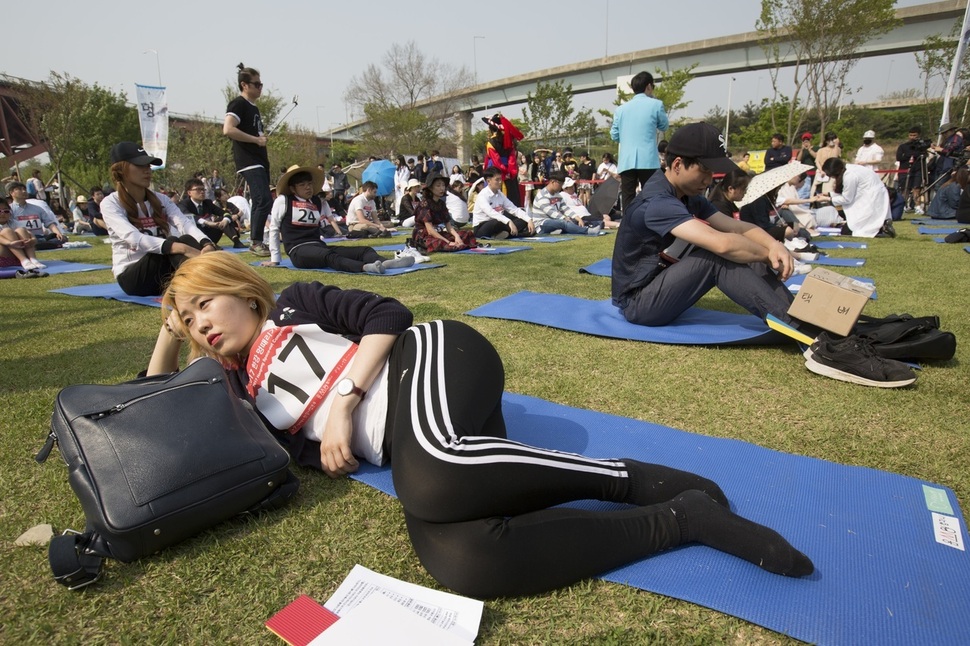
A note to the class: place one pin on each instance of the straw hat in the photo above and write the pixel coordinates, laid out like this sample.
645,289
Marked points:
283,185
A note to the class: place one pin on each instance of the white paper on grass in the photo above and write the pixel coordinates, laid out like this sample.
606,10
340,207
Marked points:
458,615
380,620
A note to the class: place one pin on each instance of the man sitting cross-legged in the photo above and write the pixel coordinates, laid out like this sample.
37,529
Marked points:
549,210
674,246
495,216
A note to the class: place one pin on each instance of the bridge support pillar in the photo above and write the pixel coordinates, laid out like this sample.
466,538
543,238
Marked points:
463,133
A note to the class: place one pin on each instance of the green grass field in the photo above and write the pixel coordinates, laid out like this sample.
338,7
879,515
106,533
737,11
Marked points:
222,585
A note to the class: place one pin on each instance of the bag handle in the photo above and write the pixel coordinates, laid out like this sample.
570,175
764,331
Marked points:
75,559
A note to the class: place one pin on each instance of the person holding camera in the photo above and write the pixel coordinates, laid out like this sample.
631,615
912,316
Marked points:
954,143
911,161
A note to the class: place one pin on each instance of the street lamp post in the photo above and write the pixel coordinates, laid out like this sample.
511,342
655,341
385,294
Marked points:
158,66
475,54
318,117
727,123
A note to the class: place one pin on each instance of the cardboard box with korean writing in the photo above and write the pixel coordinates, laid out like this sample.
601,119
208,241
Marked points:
830,300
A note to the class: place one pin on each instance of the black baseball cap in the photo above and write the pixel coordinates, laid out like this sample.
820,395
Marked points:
132,153
703,142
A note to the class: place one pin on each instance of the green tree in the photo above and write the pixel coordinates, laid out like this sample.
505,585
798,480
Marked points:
935,62
395,97
549,112
79,123
671,88
820,39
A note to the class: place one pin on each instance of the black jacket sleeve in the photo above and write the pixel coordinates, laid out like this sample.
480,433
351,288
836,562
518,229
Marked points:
351,313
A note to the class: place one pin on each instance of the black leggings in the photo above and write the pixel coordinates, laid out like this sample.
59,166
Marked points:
147,276
318,256
477,504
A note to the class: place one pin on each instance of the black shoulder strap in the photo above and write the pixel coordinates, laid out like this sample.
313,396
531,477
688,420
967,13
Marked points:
76,559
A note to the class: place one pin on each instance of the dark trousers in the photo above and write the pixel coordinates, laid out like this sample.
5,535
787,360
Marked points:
318,256
489,228
630,180
258,180
215,233
477,505
148,276
754,287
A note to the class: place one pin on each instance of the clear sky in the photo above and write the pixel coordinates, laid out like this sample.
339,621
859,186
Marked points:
312,50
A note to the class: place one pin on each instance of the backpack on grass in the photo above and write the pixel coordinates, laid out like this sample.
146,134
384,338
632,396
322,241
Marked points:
907,338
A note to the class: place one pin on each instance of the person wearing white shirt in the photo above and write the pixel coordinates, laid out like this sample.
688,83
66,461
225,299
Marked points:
495,216
870,153
862,196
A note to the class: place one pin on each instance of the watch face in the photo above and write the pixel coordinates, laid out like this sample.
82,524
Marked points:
345,386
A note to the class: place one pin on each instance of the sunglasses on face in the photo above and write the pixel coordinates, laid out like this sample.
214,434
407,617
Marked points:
258,85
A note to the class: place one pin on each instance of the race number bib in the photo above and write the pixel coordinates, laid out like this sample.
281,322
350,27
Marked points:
292,369
305,214
147,225
30,222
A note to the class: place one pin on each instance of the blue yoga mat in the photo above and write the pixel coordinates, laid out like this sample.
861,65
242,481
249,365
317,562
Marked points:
549,239
967,249
840,244
493,251
111,291
795,283
56,267
880,578
602,267
939,222
837,262
286,263
936,231
696,326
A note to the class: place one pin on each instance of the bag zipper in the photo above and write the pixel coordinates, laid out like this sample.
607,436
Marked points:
45,451
117,408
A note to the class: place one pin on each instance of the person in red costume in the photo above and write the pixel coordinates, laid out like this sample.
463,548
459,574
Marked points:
500,153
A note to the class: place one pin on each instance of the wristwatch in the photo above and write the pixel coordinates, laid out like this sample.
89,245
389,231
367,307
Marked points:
346,386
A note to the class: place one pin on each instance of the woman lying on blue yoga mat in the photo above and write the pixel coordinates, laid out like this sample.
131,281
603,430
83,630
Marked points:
343,374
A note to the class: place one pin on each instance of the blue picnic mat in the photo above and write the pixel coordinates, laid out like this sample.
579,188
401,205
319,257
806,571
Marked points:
286,263
881,577
111,291
936,231
56,267
837,262
839,244
795,283
938,222
696,326
493,251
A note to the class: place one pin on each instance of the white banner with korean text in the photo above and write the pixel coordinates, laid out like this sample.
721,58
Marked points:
153,118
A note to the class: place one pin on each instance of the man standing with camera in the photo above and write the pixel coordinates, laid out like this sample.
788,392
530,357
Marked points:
911,157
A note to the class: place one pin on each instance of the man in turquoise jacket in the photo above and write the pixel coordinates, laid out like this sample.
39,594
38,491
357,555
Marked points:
635,126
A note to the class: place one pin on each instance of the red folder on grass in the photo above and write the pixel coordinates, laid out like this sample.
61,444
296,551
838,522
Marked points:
300,622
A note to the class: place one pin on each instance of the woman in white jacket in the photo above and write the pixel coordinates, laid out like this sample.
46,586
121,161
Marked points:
861,194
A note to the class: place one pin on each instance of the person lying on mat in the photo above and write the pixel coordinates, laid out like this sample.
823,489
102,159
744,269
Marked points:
150,237
495,216
343,375
296,216
674,247
433,229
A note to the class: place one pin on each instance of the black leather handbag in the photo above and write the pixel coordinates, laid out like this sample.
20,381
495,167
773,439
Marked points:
157,460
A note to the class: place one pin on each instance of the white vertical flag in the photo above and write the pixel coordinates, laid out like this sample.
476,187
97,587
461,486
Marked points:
153,117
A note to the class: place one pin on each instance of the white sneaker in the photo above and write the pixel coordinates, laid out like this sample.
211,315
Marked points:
918,211
413,253
795,244
801,268
804,256
594,231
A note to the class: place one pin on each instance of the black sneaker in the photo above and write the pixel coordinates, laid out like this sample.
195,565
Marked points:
260,249
852,359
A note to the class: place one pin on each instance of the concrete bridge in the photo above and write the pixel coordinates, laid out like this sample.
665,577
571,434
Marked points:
716,56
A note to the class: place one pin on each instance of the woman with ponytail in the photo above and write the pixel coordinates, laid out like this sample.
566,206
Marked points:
149,236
